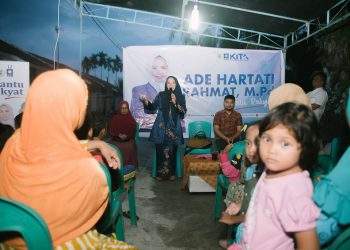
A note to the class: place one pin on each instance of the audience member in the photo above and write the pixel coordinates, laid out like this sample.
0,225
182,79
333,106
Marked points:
167,131
332,195
318,96
227,124
5,133
281,203
50,171
239,193
122,129
18,120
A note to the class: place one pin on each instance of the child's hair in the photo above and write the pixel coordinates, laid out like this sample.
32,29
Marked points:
5,133
18,120
98,123
255,123
82,133
302,123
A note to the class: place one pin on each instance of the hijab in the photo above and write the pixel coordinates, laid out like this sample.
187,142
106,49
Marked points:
8,118
43,164
288,92
166,97
123,124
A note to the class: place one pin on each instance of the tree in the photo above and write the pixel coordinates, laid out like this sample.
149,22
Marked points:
102,60
117,66
86,65
109,66
93,61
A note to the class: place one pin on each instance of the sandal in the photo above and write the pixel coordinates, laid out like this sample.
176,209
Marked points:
159,178
224,244
172,178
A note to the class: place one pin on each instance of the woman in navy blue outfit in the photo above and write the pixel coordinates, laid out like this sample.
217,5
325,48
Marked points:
166,132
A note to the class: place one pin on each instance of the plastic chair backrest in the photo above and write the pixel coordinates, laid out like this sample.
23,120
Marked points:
326,163
238,148
17,217
338,147
197,126
137,133
342,241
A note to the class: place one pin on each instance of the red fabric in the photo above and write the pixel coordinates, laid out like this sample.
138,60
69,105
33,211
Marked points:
123,124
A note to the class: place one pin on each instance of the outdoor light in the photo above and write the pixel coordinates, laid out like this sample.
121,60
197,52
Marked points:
194,22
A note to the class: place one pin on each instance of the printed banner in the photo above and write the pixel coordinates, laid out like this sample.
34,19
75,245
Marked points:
206,75
14,84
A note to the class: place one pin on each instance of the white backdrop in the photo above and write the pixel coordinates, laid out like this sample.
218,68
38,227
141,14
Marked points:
206,75
14,84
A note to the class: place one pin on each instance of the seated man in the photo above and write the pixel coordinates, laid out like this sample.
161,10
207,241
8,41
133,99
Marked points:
227,124
318,97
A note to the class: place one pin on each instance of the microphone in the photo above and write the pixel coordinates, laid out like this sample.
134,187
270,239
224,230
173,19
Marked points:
171,91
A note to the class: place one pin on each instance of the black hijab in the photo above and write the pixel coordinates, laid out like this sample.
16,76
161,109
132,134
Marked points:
166,97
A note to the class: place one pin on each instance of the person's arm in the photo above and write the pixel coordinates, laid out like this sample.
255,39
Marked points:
108,153
237,134
307,240
315,106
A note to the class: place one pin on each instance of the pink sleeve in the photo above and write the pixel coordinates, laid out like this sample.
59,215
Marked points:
235,247
227,169
300,214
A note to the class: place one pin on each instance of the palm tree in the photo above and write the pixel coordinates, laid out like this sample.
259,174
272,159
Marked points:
102,60
117,66
86,65
109,66
94,62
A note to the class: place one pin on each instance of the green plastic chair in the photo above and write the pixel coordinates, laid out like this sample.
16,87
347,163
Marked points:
178,164
193,129
223,182
341,242
112,219
131,192
17,217
325,164
338,147
137,137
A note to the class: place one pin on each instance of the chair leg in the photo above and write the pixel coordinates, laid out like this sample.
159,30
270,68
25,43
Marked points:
132,205
218,201
154,166
178,163
120,228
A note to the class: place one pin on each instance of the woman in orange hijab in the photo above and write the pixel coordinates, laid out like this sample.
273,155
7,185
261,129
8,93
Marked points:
43,164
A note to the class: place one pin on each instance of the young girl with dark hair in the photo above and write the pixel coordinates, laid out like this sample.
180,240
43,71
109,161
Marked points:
281,213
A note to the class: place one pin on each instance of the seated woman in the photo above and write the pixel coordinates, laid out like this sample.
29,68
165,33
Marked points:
44,166
122,129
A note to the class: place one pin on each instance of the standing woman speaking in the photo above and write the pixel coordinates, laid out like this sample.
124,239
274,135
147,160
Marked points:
166,131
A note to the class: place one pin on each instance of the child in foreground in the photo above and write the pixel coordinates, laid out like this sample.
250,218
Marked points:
240,192
281,213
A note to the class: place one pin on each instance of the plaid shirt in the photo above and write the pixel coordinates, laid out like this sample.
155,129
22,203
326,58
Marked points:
228,122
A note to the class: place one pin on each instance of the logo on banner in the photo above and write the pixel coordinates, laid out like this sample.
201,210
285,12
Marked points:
10,88
235,57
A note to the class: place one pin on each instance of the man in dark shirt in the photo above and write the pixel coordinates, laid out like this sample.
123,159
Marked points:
227,124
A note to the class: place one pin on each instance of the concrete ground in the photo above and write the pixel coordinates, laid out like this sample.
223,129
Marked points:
170,218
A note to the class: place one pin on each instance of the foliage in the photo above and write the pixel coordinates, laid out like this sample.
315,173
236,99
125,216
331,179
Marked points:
103,61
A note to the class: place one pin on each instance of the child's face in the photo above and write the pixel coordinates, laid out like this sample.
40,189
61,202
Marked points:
250,147
279,151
